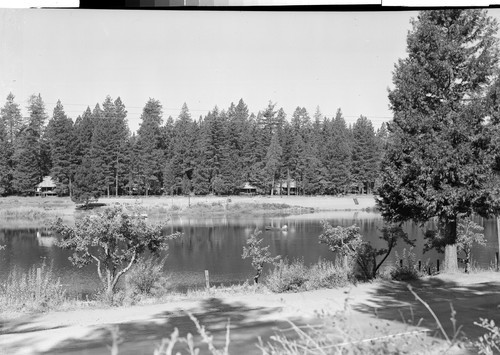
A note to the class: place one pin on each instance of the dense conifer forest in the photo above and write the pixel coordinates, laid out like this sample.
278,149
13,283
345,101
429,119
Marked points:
219,153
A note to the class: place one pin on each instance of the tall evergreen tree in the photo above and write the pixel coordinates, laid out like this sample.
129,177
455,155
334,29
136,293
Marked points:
364,167
28,164
5,166
11,116
109,141
61,150
337,154
273,162
149,161
438,161
184,150
11,121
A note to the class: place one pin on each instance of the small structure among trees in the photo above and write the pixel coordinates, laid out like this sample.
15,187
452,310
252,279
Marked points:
248,189
46,187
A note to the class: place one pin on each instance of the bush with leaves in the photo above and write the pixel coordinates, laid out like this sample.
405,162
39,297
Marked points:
287,276
147,277
349,243
407,270
488,343
260,255
343,240
114,240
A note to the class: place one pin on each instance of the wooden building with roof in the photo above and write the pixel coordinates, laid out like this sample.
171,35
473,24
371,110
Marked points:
46,187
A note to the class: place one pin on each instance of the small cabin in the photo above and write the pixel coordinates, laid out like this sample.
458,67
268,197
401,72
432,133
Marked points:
46,188
281,188
248,189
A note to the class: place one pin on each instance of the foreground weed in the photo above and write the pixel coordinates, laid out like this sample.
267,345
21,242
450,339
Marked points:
167,345
25,290
489,343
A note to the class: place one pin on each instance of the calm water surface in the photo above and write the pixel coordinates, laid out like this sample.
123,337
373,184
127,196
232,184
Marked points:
216,243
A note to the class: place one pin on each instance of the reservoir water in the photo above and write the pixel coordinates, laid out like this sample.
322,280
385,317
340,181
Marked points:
215,244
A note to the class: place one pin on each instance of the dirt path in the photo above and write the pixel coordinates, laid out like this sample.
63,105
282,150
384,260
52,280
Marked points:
375,310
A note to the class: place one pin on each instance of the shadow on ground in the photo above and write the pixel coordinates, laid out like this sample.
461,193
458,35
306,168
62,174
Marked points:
143,337
393,301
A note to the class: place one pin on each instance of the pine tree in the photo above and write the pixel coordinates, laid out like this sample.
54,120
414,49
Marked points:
28,159
26,169
61,150
10,120
184,150
37,118
109,140
273,162
87,187
11,116
148,147
364,168
438,161
83,127
336,154
5,167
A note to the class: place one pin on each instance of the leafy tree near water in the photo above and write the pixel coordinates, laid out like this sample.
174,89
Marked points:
349,243
114,240
260,255
438,162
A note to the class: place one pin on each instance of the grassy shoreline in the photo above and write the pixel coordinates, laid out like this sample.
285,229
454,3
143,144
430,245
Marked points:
32,212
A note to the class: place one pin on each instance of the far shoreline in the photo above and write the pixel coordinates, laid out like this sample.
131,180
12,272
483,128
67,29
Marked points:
34,212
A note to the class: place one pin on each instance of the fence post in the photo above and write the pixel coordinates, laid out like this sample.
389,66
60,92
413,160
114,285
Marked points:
207,281
38,283
437,266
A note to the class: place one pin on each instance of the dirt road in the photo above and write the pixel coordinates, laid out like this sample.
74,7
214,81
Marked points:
375,310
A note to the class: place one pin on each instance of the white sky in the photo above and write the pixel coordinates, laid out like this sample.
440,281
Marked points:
330,59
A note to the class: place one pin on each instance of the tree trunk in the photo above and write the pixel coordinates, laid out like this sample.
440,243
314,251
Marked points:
498,233
272,187
288,183
70,189
450,249
450,259
108,190
116,184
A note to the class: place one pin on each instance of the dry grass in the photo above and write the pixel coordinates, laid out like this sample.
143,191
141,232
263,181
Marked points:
23,291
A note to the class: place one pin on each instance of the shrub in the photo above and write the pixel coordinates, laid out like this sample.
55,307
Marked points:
326,274
409,270
114,240
260,255
296,276
286,277
147,277
22,290
489,343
